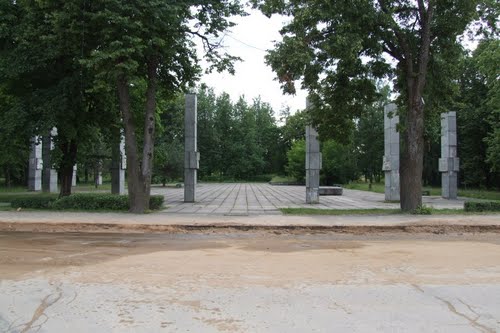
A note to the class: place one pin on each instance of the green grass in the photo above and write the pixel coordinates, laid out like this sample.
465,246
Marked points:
479,194
362,186
283,179
318,211
434,191
373,211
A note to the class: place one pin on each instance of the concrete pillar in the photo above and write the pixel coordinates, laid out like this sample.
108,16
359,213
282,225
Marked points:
191,154
391,153
35,165
449,163
49,175
99,178
73,180
313,163
118,166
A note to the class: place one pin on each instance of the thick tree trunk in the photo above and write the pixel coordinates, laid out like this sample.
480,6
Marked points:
149,131
134,180
69,150
412,160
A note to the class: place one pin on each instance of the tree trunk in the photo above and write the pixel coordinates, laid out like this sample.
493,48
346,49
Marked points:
69,150
136,193
149,131
412,160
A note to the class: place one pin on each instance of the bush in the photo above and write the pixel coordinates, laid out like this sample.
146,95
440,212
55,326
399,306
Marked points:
98,201
488,206
91,201
156,202
422,210
33,201
82,201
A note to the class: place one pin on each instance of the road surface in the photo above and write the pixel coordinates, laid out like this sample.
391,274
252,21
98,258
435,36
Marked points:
249,282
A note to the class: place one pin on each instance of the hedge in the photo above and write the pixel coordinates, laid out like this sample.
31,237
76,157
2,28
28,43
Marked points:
482,206
83,201
33,201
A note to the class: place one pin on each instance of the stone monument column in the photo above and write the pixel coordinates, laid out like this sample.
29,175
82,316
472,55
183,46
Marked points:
118,166
73,180
49,175
390,163
313,163
449,163
191,154
35,165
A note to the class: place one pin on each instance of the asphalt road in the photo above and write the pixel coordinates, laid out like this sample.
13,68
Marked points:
249,282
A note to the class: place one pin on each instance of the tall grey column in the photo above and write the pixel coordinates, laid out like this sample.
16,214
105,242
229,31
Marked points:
49,175
313,165
73,180
118,166
449,163
391,153
35,165
191,154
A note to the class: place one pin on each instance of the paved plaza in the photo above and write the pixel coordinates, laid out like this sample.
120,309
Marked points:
242,199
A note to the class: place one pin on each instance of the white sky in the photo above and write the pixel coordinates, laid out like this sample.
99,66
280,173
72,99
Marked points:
248,40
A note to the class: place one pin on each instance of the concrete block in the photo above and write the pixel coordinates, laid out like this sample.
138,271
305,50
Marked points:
192,160
386,163
330,190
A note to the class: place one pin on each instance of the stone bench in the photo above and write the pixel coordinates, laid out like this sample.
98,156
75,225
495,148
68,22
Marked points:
330,190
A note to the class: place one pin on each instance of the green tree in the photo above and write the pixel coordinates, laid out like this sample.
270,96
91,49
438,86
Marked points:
487,56
42,44
152,41
338,47
339,163
478,116
296,156
369,137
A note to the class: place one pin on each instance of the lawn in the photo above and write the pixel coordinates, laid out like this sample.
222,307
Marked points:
434,191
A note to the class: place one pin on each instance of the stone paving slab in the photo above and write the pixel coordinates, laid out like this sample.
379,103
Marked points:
241,199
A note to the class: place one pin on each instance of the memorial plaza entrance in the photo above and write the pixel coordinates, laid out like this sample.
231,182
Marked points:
265,199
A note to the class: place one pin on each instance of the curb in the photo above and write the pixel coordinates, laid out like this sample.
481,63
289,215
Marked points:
228,228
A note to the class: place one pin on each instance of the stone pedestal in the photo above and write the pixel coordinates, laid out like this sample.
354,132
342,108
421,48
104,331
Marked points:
313,165
49,175
118,166
35,165
191,154
449,163
390,163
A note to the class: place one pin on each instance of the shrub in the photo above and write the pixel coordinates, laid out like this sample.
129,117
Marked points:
156,202
422,210
486,206
80,201
33,201
92,201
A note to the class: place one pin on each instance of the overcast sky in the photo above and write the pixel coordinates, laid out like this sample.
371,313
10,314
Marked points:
248,40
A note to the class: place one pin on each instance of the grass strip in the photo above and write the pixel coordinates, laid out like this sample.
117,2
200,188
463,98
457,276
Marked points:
374,211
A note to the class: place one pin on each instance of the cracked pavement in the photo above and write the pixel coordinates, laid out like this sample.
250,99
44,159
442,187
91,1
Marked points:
249,282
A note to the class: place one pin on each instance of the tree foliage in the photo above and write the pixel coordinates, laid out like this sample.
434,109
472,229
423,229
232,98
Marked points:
337,47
